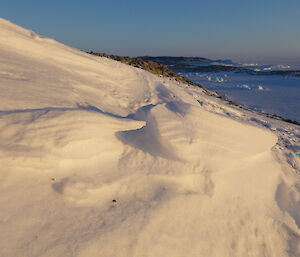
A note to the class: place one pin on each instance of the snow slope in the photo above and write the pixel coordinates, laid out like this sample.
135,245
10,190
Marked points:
101,159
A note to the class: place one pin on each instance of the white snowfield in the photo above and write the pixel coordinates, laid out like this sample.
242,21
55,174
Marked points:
100,159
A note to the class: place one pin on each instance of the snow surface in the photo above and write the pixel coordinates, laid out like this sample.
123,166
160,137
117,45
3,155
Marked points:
101,159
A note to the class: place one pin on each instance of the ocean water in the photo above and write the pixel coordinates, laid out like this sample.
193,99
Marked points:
274,94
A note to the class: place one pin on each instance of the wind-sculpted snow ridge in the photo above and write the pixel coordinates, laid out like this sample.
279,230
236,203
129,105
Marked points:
101,159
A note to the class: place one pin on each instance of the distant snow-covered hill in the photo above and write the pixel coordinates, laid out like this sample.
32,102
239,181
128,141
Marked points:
98,158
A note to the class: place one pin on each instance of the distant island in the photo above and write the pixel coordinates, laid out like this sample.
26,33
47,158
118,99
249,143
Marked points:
173,65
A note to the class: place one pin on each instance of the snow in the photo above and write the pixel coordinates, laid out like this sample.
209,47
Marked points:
99,159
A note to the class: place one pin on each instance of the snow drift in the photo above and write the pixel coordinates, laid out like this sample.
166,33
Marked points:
101,159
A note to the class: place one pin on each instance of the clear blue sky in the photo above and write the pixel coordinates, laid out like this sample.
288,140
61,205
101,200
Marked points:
242,30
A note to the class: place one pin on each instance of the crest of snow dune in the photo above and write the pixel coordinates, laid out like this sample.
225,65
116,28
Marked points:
59,76
102,159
